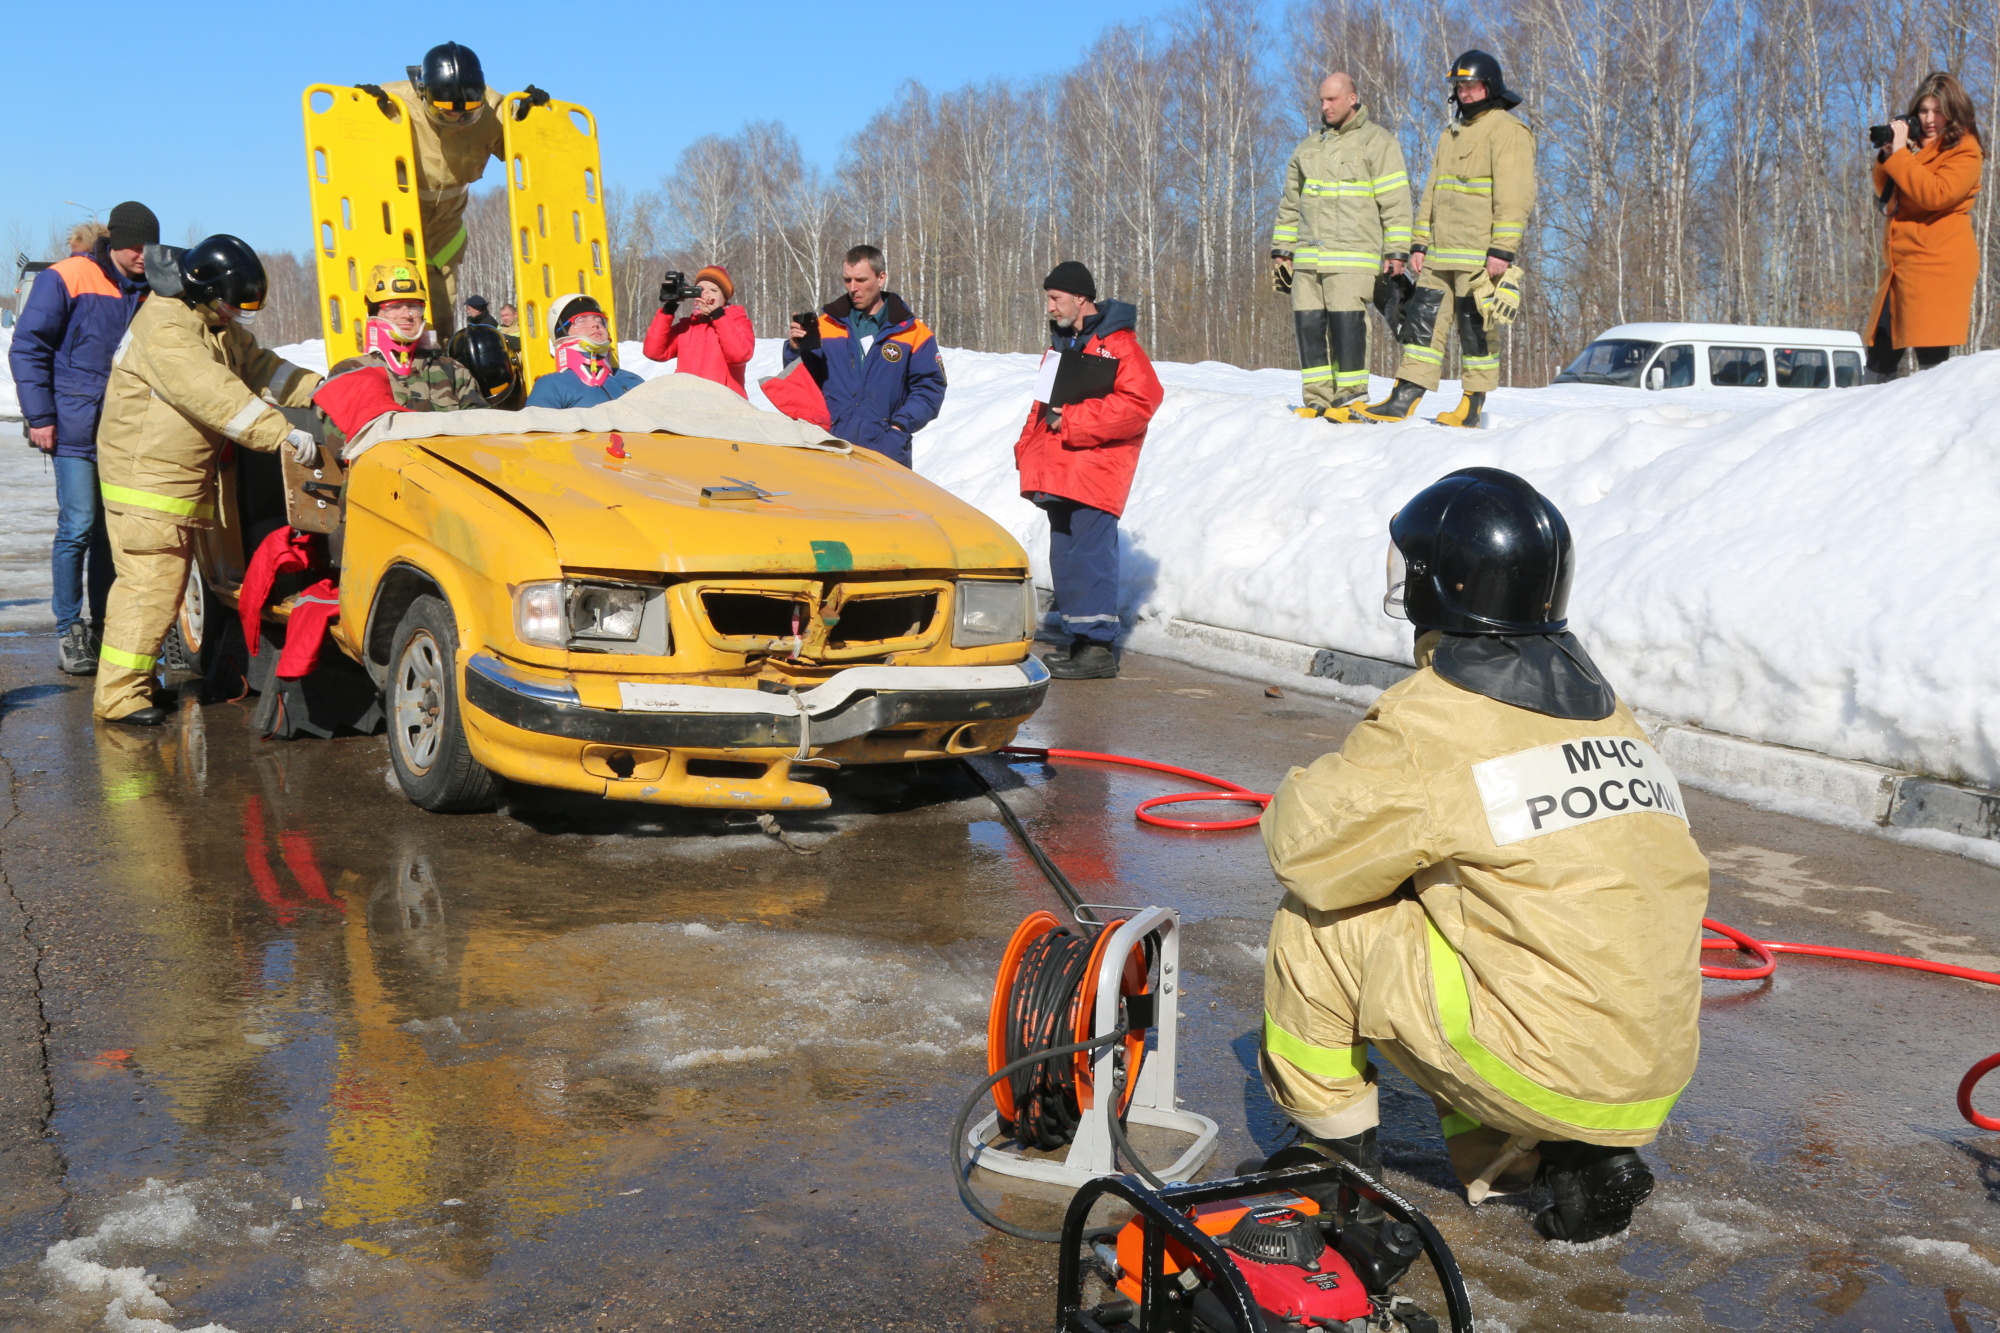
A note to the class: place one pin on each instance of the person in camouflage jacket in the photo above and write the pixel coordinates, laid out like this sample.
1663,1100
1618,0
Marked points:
421,378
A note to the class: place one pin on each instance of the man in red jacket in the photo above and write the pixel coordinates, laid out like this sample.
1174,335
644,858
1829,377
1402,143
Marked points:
715,342
1077,463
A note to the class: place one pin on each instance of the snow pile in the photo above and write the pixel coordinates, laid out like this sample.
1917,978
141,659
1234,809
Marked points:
1800,568
156,1214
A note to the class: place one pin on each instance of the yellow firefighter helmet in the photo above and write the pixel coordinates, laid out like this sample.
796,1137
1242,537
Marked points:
395,282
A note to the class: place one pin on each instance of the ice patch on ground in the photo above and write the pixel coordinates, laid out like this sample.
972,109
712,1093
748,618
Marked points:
1951,1251
668,998
1708,1232
155,1214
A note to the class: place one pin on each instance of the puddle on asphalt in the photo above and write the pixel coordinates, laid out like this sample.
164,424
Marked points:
380,1069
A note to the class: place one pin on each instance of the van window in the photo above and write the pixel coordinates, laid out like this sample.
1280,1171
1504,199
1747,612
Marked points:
1801,368
1678,363
1609,361
1739,367
1846,369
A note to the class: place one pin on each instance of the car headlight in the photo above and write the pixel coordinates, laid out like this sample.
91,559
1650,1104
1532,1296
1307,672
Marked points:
991,611
538,614
605,611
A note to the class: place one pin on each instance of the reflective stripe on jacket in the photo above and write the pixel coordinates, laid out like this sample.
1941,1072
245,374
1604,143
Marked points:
1557,968
1347,199
180,388
884,396
1481,190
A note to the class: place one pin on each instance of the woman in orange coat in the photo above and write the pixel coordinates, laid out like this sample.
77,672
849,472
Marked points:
1927,182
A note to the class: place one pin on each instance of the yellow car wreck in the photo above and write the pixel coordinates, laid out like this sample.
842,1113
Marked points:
673,597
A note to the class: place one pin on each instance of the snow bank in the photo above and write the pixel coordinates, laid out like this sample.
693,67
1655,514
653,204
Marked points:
1801,568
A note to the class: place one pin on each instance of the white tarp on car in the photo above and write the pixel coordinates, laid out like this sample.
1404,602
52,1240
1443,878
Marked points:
666,404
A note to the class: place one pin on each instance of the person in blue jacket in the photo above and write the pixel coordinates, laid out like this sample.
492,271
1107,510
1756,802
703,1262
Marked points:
587,370
876,363
65,336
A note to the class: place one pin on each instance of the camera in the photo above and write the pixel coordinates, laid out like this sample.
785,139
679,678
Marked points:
1881,136
677,288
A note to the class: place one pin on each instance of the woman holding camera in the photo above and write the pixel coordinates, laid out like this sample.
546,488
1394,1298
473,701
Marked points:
1927,178
716,341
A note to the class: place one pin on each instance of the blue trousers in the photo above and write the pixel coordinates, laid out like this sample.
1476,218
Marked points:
81,555
1083,559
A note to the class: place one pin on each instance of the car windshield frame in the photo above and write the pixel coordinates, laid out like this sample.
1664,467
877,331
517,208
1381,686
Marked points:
1590,365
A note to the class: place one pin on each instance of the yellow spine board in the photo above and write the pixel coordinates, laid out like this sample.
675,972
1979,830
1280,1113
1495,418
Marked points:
555,218
362,169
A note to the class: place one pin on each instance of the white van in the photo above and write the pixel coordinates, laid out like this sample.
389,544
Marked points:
1683,356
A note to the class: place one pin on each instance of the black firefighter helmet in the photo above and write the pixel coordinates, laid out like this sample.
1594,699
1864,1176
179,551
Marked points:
1482,552
223,268
1478,67
482,349
450,79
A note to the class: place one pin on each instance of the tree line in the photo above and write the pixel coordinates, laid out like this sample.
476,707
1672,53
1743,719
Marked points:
1698,159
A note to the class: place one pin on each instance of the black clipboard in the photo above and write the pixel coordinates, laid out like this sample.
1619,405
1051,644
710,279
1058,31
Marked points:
1079,377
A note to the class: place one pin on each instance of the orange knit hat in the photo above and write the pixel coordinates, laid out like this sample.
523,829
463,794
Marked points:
718,275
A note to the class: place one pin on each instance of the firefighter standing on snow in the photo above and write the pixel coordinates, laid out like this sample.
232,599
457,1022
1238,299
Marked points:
1492,882
1344,221
1465,245
455,123
188,379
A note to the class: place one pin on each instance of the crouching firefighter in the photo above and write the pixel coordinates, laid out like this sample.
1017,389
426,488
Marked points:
1493,883
1464,247
187,380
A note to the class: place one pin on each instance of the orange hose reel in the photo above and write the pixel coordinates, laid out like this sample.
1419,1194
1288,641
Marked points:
1082,1010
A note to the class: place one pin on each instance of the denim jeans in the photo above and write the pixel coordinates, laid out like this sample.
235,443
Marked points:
80,542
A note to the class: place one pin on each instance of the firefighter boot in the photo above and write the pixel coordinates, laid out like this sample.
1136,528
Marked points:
1358,1150
1396,407
1586,1192
1468,412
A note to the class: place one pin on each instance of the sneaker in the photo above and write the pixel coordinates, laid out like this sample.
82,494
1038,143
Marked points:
1087,661
1586,1192
76,653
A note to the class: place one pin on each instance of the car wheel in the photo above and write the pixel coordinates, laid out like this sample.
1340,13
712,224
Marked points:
190,646
427,745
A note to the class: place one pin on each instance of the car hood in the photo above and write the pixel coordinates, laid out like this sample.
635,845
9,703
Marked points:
769,509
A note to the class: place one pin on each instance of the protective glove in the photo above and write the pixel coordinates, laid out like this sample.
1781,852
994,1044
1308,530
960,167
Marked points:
1281,274
1498,300
305,450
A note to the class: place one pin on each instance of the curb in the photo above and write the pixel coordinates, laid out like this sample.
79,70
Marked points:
1881,796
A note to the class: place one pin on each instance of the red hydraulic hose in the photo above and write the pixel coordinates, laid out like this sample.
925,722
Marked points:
1765,952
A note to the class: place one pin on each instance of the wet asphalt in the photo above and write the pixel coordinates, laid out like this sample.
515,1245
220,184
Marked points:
279,1051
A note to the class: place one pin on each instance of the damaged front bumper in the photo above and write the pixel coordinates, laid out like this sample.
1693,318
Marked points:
643,750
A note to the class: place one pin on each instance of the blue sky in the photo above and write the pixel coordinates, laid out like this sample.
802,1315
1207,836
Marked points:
194,109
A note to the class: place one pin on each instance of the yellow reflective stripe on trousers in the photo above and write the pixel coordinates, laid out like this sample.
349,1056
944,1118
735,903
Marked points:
118,657
1457,1123
450,251
1334,1062
1315,374
164,504
1454,1002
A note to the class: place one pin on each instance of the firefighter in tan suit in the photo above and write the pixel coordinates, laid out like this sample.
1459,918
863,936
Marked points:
187,379
455,122
1493,883
1463,246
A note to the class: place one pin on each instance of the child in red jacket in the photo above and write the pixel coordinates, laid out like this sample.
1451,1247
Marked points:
715,342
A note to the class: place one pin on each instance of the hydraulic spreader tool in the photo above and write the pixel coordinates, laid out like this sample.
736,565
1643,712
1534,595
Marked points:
1081,1040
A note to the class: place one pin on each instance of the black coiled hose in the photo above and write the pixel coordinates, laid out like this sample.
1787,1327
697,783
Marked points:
1040,1015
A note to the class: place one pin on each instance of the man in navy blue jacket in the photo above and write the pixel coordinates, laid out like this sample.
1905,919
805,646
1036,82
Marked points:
64,339
876,362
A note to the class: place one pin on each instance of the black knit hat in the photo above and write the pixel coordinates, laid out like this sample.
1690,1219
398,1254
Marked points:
132,226
476,303
1072,277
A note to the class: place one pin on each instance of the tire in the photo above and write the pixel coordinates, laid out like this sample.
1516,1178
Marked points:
190,647
427,746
